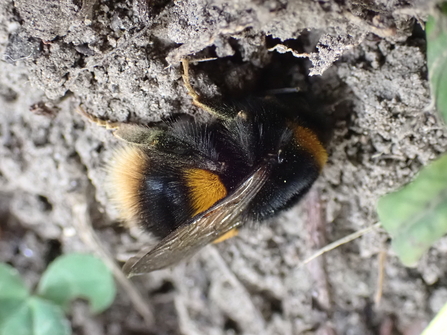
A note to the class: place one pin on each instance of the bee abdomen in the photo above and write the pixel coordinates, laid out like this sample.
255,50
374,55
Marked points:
126,173
157,196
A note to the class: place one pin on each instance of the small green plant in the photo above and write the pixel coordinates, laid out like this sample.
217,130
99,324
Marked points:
438,325
416,215
68,277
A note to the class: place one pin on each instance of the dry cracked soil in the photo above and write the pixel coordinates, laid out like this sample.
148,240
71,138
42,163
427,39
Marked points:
364,60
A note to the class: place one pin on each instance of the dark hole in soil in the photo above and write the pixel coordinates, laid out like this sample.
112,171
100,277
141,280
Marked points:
230,324
166,287
54,250
47,206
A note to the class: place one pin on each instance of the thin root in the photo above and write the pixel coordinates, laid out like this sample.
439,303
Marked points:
381,277
340,242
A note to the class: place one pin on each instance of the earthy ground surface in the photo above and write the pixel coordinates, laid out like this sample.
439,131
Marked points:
121,61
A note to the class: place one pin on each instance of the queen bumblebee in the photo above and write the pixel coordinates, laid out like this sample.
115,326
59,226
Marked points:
191,183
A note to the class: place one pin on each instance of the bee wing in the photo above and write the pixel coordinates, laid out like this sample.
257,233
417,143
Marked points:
202,230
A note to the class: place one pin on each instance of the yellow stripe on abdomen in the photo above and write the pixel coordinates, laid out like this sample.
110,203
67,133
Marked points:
126,173
309,141
205,189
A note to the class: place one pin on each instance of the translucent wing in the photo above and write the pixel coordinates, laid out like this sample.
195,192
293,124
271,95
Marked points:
202,230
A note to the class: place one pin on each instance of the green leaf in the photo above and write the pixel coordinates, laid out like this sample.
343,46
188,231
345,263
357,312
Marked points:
436,29
439,324
36,316
11,285
13,292
416,216
8,307
78,276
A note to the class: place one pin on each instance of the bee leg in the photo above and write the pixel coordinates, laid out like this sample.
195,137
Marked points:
127,132
96,120
195,96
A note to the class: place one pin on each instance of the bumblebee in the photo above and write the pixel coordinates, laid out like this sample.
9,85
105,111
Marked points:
191,183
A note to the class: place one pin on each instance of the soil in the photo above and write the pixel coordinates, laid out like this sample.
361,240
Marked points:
365,63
